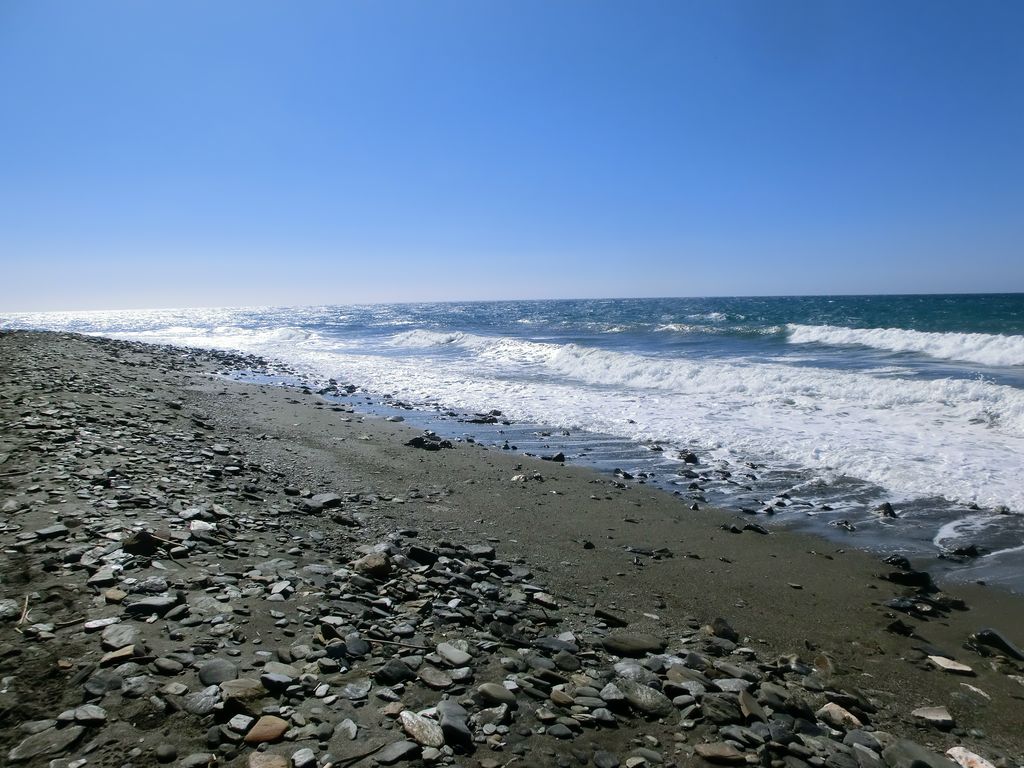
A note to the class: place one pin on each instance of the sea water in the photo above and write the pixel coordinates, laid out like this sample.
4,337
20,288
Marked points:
810,410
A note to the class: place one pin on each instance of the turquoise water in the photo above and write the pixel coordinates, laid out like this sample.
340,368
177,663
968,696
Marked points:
826,406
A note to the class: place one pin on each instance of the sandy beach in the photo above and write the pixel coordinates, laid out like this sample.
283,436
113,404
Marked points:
197,571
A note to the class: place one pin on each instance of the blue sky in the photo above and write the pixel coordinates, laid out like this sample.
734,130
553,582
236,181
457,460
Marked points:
238,153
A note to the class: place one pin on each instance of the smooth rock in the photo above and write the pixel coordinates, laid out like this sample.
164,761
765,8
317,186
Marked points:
268,728
492,693
632,644
399,750
304,758
836,716
422,730
906,754
217,671
645,699
453,655
52,741
165,753
720,752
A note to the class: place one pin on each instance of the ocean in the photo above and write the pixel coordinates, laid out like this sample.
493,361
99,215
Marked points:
807,412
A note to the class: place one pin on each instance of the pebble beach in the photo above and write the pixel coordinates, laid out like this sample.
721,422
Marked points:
201,572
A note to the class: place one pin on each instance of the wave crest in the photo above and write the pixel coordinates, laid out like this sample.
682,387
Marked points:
983,348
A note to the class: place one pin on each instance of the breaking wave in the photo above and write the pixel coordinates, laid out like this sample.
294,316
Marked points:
983,348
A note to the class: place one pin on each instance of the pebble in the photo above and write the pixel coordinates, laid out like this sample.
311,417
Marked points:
633,644
267,728
492,693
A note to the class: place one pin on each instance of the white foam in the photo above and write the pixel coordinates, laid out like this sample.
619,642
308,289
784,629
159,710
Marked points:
983,348
961,439
957,438
422,338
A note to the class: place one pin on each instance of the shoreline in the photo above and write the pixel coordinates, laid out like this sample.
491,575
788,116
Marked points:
634,553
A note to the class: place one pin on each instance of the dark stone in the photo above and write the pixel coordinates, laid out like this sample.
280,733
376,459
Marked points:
399,750
721,708
395,671
633,644
52,741
217,671
721,628
993,638
907,754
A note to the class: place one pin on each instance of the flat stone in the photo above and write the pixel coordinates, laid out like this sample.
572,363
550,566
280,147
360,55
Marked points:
938,717
117,636
422,730
632,644
326,500
356,689
268,728
393,672
97,624
90,714
149,606
52,741
279,668
720,752
52,531
721,708
103,681
104,577
120,656
304,758
559,731
168,666
217,671
948,665
202,702
906,754
492,693
644,698
750,708
241,723
434,678
453,655
243,689
836,716
399,750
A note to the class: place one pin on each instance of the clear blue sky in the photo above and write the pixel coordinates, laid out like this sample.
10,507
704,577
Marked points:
197,153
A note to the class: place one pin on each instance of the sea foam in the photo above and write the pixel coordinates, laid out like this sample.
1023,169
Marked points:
983,348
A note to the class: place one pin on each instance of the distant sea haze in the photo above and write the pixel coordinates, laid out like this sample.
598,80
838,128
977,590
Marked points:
838,403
